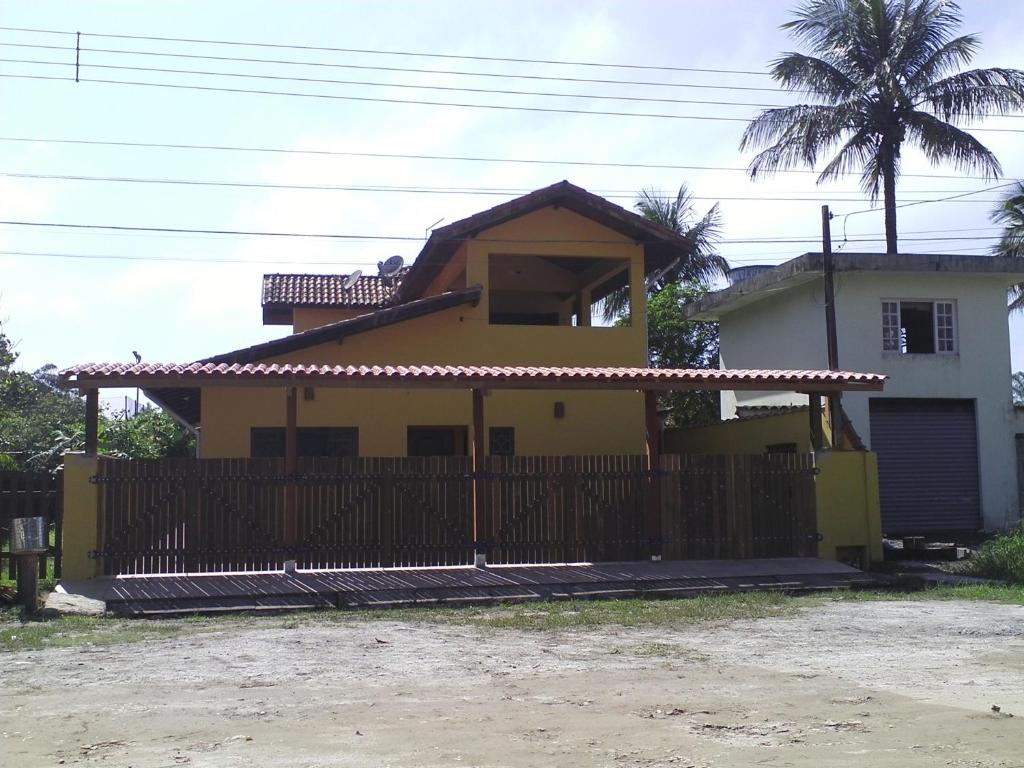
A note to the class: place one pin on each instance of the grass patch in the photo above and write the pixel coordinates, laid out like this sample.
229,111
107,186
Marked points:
19,634
1001,557
580,614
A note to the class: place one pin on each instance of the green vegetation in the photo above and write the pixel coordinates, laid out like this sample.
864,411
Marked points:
18,634
39,422
1000,558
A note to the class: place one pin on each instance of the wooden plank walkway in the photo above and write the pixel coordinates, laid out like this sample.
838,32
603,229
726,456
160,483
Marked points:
389,587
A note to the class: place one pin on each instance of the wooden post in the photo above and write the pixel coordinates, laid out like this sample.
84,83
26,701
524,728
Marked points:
92,421
835,410
481,532
652,524
291,463
814,409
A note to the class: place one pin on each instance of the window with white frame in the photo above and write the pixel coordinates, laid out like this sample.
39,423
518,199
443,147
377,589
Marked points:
919,327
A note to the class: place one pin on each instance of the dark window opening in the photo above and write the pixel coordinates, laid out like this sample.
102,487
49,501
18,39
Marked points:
437,441
269,442
917,326
526,289
781,448
502,441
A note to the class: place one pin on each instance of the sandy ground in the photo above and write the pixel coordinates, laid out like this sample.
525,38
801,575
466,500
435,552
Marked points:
864,684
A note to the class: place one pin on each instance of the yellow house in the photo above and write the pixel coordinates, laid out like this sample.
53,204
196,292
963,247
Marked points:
516,285
471,402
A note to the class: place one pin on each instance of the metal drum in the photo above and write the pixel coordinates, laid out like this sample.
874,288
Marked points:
29,536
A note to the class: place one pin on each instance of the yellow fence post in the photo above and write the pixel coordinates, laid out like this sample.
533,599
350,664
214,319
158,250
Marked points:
81,518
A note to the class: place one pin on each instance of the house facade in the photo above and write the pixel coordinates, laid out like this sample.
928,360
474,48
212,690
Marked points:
945,428
517,285
470,408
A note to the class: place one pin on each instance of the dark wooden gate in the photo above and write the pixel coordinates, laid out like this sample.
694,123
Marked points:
738,506
208,515
30,494
545,509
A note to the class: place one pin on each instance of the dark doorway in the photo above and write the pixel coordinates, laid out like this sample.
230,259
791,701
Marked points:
437,441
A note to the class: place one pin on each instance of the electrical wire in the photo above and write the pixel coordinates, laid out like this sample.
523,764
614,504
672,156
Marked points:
418,102
613,194
383,52
444,158
338,236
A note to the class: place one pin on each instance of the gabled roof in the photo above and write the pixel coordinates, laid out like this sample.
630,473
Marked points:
343,328
661,244
283,292
810,266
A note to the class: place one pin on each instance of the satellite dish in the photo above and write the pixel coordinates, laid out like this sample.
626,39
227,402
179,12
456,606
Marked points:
391,267
352,280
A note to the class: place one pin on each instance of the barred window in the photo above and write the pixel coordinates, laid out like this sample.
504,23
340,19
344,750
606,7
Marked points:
891,326
945,333
502,441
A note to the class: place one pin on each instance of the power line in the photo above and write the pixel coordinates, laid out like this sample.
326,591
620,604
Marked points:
445,158
420,102
335,236
382,52
409,70
327,81
412,189
158,259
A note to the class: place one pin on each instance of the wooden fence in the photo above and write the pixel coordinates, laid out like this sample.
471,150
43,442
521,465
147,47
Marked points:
205,515
30,494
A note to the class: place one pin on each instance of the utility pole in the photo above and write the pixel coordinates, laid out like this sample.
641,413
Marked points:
835,407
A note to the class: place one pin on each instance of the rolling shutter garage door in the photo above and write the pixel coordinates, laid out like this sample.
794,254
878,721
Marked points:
927,464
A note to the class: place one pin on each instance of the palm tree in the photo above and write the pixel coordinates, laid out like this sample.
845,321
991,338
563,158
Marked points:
883,72
1010,215
698,266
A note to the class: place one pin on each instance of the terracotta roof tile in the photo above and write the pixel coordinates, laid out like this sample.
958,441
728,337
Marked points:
117,374
297,290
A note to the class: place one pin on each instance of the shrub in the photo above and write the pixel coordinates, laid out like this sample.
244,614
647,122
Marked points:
1000,558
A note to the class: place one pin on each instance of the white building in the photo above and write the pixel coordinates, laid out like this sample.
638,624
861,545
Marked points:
945,426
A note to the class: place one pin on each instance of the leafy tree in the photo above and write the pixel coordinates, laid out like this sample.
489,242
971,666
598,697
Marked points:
701,263
1010,216
1017,385
675,342
40,422
883,72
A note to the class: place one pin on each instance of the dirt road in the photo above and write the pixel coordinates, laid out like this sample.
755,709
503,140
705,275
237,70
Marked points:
850,683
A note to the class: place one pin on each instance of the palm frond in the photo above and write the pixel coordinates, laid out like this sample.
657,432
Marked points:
941,142
795,71
795,135
943,60
975,93
1009,214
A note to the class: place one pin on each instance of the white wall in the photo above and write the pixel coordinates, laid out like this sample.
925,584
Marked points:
787,330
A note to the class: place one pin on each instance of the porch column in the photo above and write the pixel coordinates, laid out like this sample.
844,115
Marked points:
92,421
481,532
652,525
291,463
814,408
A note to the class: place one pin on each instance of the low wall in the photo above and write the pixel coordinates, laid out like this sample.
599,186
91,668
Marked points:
81,507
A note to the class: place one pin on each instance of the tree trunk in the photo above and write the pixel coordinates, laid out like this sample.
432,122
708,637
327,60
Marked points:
889,200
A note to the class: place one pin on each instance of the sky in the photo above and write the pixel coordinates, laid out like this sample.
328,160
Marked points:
178,297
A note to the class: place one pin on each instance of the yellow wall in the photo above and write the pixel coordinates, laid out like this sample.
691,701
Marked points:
752,435
846,486
81,510
304,318
849,515
595,422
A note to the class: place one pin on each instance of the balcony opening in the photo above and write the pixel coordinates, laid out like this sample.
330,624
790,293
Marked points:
555,290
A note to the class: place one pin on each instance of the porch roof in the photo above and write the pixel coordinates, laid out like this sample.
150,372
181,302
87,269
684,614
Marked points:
159,375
